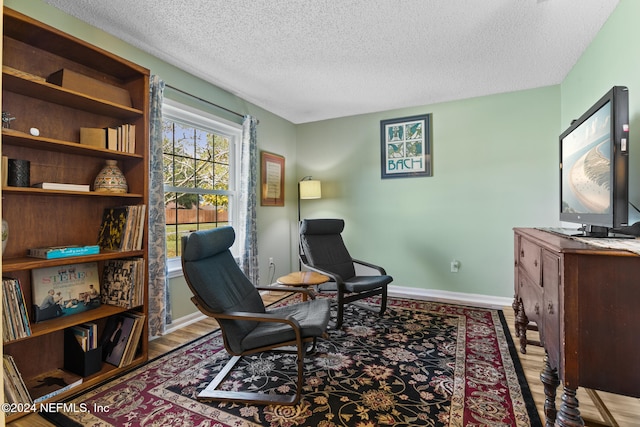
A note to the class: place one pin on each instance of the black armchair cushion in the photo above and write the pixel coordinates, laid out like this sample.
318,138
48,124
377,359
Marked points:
312,317
208,262
324,248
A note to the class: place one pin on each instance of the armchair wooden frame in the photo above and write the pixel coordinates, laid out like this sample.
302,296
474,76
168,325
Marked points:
211,392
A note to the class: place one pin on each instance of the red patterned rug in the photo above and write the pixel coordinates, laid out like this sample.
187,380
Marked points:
422,364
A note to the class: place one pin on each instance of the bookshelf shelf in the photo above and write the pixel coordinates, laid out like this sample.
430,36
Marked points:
13,137
33,51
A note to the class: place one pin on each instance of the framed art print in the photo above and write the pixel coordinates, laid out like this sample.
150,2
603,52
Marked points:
405,147
272,179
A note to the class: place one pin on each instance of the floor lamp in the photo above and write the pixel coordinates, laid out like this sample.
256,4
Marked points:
307,189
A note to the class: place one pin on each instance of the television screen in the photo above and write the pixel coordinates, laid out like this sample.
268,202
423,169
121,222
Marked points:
594,164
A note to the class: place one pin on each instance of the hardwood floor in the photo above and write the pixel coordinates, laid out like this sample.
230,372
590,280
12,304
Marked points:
625,410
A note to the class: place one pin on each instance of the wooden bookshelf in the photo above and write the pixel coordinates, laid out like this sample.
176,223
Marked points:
32,51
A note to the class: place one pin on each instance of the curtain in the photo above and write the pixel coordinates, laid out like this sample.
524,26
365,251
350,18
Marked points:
159,302
247,228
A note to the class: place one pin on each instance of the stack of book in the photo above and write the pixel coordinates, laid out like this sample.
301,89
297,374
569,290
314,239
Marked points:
121,338
15,319
122,228
123,282
15,390
87,335
121,138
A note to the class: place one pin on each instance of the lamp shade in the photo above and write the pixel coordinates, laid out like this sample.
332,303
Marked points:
310,189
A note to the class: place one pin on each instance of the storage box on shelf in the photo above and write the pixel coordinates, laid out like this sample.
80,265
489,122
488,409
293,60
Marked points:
37,217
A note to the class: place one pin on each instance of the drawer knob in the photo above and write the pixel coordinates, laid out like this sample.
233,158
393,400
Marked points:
537,308
521,253
550,308
535,263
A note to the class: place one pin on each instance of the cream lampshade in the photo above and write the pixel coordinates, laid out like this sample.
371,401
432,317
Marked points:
310,189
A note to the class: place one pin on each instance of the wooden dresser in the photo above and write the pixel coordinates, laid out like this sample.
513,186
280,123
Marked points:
585,302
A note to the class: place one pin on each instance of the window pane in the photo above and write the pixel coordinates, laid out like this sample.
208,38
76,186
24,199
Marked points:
197,164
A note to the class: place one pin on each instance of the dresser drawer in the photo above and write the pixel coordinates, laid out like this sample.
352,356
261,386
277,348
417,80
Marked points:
529,260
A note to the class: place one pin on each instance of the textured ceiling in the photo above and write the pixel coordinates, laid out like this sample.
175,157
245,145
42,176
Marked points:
317,59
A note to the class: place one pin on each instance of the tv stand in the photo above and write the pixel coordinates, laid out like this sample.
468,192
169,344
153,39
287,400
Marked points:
597,232
584,301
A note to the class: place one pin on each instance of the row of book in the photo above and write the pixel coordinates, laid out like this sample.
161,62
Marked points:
123,282
15,318
121,138
122,338
122,228
15,390
87,335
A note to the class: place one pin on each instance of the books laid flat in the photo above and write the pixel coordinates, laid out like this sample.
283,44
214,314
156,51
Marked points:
64,290
62,186
51,384
53,252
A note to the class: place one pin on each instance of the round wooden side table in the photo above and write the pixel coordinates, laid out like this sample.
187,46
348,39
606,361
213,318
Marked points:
303,278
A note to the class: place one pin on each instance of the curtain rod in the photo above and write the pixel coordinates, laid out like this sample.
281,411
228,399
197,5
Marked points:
204,100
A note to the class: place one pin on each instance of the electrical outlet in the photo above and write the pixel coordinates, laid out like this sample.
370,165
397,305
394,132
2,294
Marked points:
455,266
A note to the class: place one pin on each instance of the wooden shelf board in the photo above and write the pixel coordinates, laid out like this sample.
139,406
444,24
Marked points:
69,98
13,137
28,263
41,191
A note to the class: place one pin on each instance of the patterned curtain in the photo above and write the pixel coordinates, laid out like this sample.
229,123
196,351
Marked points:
159,307
247,229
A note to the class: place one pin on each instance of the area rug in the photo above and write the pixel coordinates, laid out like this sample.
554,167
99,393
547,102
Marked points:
421,364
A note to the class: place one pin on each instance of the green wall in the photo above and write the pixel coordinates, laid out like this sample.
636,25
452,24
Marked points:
611,59
494,169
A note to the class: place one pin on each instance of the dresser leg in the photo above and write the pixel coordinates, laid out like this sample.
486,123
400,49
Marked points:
569,415
521,327
550,380
516,309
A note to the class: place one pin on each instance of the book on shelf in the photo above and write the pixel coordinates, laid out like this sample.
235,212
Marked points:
86,335
122,228
15,317
15,390
120,138
123,282
53,252
64,290
62,186
120,338
52,383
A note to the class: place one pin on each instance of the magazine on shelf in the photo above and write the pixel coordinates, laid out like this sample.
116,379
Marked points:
15,318
122,282
64,290
62,186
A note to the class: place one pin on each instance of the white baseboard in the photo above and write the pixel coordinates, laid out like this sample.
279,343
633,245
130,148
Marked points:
476,300
181,322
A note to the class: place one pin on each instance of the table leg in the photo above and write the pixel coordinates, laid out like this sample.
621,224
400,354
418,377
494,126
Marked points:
569,415
550,380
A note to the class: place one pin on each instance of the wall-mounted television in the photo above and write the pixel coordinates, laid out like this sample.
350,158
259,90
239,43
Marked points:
594,166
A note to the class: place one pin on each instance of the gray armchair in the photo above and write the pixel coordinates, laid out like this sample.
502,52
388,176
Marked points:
323,250
222,291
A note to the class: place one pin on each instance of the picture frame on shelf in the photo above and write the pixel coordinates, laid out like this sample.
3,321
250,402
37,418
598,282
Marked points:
271,179
405,147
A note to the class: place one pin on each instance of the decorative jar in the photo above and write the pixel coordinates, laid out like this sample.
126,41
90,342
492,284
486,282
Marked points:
110,179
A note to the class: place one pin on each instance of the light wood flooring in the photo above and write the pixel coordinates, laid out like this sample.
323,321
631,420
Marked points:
624,410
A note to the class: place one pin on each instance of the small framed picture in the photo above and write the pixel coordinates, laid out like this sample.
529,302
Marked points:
272,179
405,147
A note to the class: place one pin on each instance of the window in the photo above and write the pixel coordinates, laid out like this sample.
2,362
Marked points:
200,173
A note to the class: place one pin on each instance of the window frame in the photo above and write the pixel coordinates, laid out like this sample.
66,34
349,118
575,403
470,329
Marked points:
204,120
